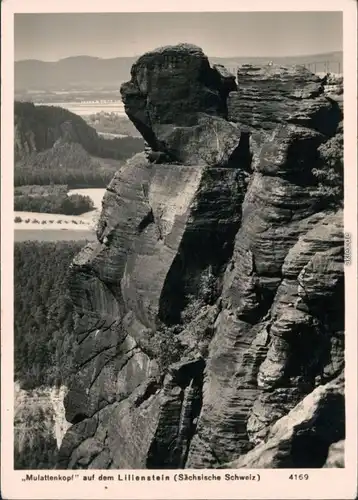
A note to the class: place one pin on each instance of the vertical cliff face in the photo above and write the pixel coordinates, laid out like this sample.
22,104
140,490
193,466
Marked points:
272,346
212,303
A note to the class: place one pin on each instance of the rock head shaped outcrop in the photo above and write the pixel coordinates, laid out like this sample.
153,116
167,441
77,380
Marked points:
178,103
210,311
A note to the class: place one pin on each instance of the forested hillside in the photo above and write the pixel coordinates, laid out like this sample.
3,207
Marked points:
35,444
53,145
112,123
44,346
43,315
66,163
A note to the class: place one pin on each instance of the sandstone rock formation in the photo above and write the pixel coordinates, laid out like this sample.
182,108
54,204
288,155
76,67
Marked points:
211,309
312,424
185,120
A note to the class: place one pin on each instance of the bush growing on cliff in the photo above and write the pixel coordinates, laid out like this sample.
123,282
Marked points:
192,308
166,347
330,172
206,294
207,286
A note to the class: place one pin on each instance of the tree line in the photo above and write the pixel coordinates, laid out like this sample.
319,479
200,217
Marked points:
75,204
34,190
67,163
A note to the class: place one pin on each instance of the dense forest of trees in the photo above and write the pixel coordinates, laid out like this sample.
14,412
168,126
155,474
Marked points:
64,164
119,148
75,204
35,444
32,116
40,453
43,315
43,342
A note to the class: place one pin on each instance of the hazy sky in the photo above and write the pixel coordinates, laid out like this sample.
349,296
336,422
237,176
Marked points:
50,37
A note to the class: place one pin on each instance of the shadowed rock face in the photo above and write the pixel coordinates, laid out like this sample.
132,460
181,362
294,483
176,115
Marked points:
211,307
314,422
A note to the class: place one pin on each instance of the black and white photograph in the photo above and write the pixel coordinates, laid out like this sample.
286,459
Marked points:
180,251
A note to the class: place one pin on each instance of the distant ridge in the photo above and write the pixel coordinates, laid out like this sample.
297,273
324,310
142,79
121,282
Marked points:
93,72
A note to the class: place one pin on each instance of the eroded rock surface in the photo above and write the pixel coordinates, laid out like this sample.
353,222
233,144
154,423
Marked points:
314,422
211,308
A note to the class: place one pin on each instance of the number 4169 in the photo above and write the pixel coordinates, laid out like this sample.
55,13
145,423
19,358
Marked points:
299,477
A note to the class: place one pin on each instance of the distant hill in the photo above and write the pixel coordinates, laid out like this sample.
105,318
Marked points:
38,128
72,73
83,72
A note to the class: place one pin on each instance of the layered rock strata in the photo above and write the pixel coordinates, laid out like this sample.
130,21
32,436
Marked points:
211,307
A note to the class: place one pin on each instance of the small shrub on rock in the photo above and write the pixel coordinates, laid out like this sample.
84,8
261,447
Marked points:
166,347
329,173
